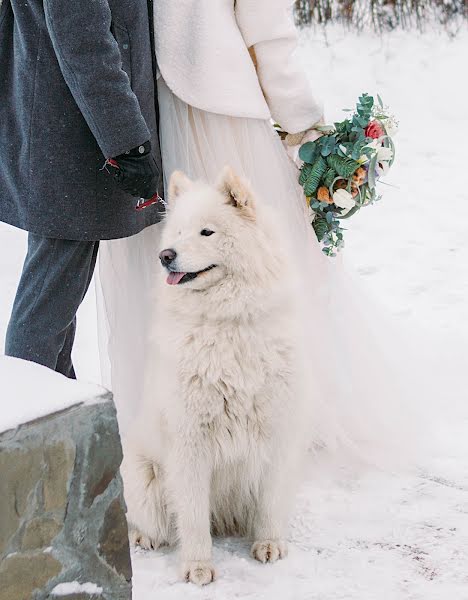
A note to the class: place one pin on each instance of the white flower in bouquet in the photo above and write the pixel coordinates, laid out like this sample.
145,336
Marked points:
384,154
343,199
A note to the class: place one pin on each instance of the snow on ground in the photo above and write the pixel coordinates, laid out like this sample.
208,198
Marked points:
365,535
30,391
73,587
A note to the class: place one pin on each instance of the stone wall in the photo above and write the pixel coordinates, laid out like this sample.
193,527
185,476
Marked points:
63,532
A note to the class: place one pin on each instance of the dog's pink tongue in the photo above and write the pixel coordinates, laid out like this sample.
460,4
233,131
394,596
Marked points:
174,278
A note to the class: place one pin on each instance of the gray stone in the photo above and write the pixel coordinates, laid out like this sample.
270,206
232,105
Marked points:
39,533
21,574
62,508
17,491
104,457
77,597
113,540
59,459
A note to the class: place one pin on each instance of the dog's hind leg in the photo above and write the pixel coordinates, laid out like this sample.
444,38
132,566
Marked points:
150,525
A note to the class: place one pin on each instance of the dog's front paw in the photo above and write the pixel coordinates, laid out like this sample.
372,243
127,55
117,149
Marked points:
200,572
269,550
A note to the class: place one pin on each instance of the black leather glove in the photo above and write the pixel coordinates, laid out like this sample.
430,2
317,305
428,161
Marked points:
136,171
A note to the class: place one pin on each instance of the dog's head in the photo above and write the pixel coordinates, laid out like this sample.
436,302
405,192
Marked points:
214,233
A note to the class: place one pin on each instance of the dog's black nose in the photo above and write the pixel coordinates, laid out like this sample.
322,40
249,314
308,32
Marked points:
167,256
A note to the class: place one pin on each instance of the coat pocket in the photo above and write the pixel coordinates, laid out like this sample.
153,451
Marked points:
122,37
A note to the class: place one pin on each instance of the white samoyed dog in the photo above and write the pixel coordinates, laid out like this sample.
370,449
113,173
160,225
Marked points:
219,440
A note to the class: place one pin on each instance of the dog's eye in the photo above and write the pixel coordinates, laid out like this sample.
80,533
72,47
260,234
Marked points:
206,232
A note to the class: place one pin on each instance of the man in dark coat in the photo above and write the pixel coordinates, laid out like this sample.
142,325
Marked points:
77,87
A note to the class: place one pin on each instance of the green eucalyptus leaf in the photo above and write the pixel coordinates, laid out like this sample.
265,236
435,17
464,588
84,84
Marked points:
305,171
320,227
371,180
327,146
327,129
313,179
388,143
345,167
308,152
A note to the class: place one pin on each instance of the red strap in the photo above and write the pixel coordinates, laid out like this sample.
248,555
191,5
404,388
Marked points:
112,163
141,204
145,203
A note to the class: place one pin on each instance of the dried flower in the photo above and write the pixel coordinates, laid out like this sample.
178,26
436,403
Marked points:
359,176
391,126
323,195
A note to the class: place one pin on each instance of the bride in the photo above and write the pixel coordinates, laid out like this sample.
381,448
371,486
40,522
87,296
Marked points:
227,69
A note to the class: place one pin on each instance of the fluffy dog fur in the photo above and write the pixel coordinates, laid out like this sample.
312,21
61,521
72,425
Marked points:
218,442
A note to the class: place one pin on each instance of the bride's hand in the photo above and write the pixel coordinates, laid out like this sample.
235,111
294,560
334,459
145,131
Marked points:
293,141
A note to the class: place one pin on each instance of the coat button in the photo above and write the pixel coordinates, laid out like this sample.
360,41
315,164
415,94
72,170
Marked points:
125,46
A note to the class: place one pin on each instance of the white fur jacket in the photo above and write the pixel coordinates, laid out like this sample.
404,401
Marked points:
202,47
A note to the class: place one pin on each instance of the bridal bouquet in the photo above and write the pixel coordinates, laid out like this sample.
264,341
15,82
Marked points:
341,168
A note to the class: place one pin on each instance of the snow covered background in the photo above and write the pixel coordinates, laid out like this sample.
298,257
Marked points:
361,535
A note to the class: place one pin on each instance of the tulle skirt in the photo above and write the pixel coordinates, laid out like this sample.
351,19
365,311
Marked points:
362,380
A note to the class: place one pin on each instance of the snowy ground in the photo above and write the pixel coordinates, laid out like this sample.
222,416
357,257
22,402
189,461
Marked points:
367,535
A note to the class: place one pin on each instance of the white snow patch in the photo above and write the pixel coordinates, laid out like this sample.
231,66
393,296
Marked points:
30,391
73,587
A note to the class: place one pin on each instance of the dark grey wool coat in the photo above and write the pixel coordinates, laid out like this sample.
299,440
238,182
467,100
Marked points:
77,86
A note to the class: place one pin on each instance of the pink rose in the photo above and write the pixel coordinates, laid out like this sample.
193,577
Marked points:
374,130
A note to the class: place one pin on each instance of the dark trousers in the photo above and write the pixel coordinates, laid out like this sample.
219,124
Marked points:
56,275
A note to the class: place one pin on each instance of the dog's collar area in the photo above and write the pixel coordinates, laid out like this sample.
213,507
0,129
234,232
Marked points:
172,278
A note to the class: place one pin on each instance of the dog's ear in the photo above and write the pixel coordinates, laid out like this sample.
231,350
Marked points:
237,192
178,184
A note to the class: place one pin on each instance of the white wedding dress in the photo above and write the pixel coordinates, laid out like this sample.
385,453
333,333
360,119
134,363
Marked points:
363,383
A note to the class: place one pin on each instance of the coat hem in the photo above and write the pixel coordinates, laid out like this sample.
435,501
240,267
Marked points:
96,237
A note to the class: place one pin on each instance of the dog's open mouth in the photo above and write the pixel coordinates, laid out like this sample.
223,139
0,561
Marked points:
175,278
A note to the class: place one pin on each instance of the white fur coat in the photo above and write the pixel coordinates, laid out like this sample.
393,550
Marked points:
202,48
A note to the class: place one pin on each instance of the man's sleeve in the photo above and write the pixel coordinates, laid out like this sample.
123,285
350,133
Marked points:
91,64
